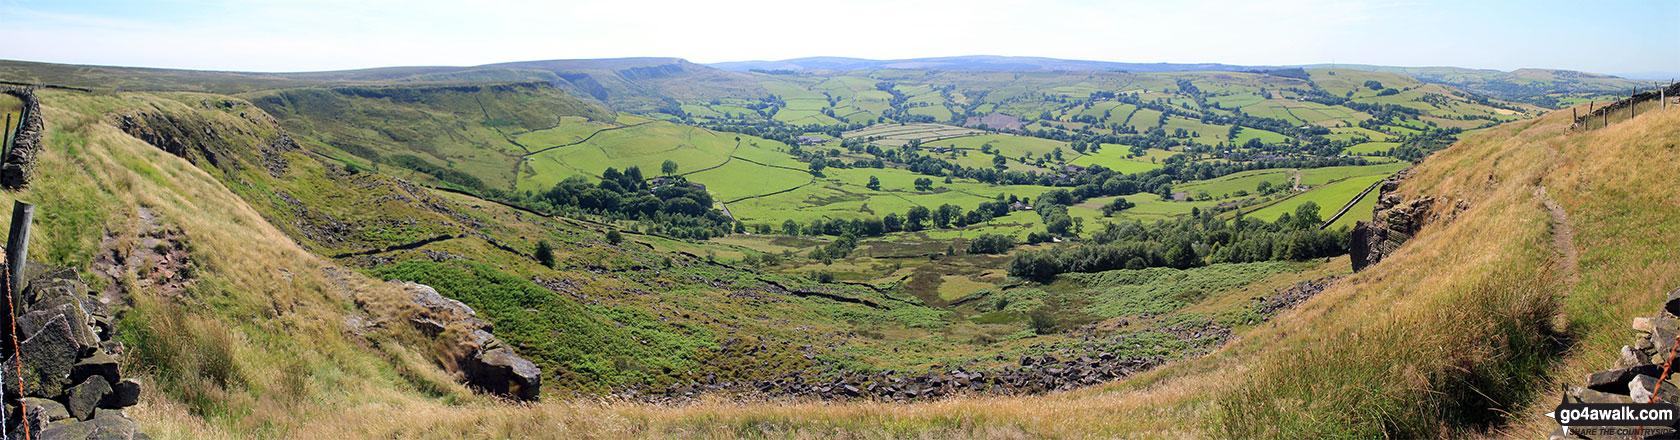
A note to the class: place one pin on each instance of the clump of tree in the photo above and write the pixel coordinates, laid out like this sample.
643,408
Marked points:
675,206
1119,204
1188,242
991,244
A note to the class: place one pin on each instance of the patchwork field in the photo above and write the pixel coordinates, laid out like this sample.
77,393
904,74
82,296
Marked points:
895,135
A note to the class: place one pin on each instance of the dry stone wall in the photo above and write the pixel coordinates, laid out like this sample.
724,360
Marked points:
71,383
1639,373
19,163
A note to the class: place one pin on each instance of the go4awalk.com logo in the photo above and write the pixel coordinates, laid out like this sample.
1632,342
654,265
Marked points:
1618,420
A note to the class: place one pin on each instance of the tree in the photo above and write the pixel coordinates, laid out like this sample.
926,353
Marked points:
924,184
892,223
1306,216
1042,322
874,183
817,165
917,218
942,216
790,227
1182,255
1000,162
669,167
545,254
615,237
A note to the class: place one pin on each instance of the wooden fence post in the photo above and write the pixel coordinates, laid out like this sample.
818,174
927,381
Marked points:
17,244
17,254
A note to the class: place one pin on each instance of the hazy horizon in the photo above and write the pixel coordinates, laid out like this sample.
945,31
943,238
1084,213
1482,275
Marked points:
317,35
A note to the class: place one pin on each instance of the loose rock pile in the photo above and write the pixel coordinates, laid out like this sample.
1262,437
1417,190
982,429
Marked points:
1294,295
1638,375
71,385
487,363
1035,374
1067,368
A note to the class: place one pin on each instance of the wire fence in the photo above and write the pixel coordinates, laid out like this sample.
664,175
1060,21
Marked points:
1600,115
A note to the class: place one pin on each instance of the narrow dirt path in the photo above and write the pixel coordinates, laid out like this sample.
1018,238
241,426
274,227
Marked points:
1563,236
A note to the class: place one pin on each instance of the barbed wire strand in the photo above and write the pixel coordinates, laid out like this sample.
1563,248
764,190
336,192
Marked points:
23,410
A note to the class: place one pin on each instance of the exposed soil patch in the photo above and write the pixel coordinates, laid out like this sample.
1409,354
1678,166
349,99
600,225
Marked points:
157,258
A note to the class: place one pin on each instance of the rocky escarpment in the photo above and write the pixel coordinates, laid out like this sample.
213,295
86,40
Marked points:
198,138
482,359
1639,374
71,384
1394,220
19,162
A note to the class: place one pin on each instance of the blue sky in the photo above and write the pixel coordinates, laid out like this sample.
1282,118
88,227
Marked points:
302,35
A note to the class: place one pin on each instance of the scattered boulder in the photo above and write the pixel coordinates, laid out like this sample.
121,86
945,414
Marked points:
82,399
39,413
124,394
1289,297
105,425
47,358
100,364
76,320
500,372
487,363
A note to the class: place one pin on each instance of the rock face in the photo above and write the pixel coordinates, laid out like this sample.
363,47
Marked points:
1395,220
19,163
72,386
487,363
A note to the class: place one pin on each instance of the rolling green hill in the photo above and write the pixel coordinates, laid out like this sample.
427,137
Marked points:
300,197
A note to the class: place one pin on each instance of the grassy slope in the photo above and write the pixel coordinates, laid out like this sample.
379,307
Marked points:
460,127
1383,343
1407,348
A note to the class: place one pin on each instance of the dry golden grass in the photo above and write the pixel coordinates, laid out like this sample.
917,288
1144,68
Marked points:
1393,351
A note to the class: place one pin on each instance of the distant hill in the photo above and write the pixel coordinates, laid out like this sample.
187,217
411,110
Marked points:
1542,87
973,62
1545,87
637,84
650,84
